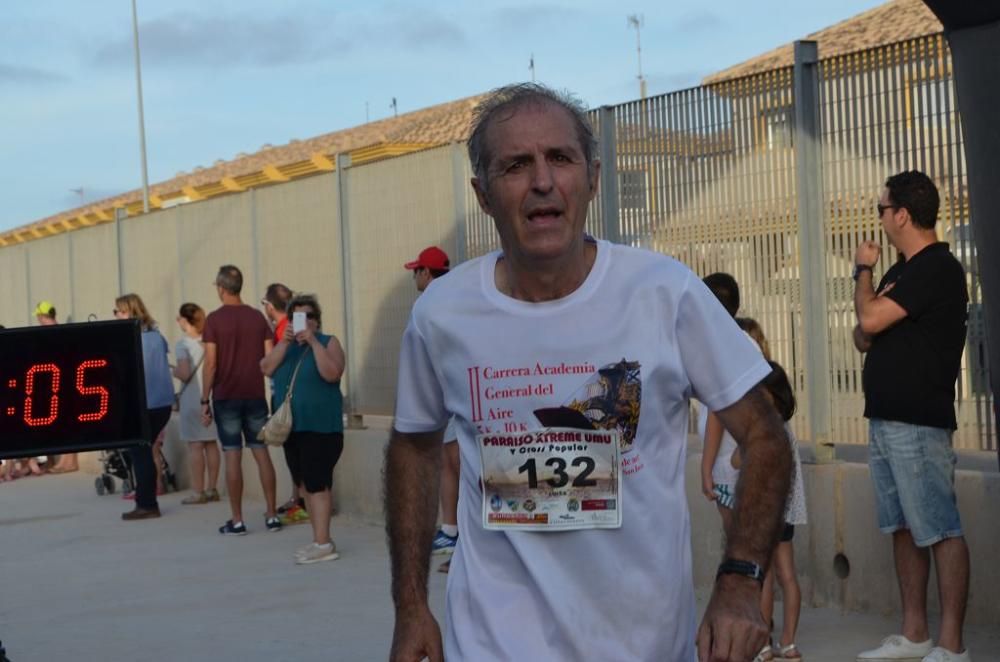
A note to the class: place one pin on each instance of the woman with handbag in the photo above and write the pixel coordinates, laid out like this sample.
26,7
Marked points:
306,366
159,401
203,452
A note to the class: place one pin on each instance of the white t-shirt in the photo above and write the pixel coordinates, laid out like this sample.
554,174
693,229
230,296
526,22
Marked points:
491,361
723,471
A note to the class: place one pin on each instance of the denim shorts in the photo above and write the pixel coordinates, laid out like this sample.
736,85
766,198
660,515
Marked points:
239,421
913,471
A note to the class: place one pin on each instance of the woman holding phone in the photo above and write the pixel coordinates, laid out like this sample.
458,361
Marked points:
311,363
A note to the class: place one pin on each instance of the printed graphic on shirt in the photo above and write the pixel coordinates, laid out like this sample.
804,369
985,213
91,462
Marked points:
608,398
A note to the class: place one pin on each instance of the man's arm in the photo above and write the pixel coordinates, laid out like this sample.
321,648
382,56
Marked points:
412,473
732,628
207,381
875,313
862,340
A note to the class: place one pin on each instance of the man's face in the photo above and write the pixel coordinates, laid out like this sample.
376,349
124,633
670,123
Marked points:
537,187
888,217
45,320
422,278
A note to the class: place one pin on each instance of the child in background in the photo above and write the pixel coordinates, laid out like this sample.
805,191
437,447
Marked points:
779,392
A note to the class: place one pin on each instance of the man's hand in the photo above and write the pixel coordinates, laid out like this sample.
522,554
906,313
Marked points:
732,629
868,253
206,415
416,637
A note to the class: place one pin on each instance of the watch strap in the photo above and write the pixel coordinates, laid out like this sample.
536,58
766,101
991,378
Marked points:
858,268
738,567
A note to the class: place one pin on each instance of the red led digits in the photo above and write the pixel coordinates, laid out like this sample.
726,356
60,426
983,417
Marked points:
29,387
102,408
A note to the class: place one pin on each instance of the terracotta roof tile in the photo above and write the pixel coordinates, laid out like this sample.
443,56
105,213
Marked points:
437,125
894,21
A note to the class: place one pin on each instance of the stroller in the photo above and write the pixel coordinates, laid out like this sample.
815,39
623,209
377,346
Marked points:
117,464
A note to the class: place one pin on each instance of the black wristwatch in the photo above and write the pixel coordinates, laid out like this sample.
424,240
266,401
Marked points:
858,268
205,402
737,567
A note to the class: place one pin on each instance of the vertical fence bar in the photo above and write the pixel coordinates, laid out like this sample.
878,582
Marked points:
460,189
609,174
809,187
355,377
119,215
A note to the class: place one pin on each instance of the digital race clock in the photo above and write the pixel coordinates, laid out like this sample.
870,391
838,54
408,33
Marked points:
71,387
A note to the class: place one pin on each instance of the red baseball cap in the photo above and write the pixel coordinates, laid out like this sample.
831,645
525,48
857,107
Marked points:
432,258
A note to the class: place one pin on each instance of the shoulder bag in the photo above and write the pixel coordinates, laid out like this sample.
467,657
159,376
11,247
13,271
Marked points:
187,382
277,428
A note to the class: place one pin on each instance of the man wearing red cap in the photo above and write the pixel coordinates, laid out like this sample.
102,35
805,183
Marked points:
430,264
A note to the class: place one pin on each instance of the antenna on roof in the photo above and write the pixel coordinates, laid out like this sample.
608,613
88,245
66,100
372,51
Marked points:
366,113
395,110
637,21
79,192
531,66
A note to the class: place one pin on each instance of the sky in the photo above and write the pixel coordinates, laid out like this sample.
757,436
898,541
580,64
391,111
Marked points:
226,77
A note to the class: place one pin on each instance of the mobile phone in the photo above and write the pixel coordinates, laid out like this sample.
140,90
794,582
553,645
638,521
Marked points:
298,321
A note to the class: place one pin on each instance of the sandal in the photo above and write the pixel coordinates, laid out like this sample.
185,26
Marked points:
765,655
789,652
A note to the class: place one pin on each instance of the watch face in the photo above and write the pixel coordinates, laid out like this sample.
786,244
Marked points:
71,387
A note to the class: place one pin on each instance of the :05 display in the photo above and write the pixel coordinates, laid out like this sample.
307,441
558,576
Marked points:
71,387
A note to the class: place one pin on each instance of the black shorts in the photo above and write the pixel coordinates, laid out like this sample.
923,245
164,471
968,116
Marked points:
311,457
787,533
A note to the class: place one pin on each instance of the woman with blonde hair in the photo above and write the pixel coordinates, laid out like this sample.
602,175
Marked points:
203,452
159,401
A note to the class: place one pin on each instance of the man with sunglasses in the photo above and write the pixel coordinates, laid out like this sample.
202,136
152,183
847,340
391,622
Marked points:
912,328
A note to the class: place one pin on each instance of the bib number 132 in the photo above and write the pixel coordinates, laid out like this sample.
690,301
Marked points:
560,476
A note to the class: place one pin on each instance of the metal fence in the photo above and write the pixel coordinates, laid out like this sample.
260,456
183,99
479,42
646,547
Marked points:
723,177
709,175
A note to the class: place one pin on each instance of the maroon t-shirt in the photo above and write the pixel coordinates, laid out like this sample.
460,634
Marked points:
238,333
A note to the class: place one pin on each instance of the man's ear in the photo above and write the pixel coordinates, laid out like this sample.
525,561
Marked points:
595,177
481,196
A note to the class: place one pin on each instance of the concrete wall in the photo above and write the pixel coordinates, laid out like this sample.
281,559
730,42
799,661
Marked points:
842,522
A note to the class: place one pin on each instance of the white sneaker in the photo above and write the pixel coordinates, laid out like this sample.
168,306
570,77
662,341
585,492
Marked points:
317,553
897,647
939,654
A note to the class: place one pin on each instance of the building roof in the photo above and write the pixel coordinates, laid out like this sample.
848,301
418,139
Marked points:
421,129
894,21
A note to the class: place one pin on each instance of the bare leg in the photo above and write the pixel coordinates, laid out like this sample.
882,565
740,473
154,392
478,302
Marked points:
449,484
268,480
212,460
913,566
951,562
234,483
319,515
767,599
196,458
784,566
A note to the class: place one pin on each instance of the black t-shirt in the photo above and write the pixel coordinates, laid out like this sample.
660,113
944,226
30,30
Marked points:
911,368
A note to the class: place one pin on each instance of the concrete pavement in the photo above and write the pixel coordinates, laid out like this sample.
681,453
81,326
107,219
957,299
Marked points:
80,584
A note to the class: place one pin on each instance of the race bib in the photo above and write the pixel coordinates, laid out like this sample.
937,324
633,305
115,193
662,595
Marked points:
553,479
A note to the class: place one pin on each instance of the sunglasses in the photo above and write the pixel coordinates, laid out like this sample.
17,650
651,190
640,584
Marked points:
881,208
312,316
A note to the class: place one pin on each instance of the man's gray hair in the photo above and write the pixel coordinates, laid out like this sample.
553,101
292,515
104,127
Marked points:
512,97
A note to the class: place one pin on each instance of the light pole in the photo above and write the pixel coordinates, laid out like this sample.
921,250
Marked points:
142,125
636,21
